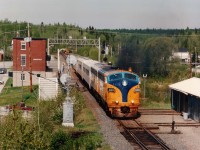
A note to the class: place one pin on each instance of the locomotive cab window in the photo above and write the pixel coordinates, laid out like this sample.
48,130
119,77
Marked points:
129,76
101,76
115,76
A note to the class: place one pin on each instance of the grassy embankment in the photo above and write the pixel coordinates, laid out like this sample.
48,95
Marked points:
11,95
85,135
157,94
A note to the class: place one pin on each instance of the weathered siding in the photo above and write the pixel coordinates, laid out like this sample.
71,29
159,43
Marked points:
48,88
179,101
194,107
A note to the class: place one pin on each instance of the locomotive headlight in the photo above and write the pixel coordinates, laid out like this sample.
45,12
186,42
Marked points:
116,102
124,83
137,90
132,101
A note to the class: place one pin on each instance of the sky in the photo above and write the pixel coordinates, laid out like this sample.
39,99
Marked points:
109,14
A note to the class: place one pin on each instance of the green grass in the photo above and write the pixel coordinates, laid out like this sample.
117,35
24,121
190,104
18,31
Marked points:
147,103
11,95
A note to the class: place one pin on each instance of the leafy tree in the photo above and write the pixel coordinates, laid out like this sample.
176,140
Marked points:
131,54
157,54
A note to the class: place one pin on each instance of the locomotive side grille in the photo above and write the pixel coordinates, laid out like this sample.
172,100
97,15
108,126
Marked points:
125,109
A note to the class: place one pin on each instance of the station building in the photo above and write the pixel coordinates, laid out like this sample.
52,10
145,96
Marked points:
28,56
185,97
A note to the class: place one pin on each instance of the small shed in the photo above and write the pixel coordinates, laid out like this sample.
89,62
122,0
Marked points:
185,97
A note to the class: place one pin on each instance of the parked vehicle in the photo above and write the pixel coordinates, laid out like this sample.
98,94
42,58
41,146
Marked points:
3,70
20,106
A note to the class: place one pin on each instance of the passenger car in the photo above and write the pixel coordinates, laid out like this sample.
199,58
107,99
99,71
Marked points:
117,91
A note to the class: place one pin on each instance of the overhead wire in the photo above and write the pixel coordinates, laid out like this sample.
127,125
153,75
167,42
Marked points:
13,32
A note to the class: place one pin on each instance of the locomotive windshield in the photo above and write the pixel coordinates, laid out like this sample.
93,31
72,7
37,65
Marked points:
122,75
115,76
130,76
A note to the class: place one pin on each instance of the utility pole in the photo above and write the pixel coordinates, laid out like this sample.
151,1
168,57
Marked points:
111,52
99,47
30,62
58,55
144,76
195,61
190,65
22,78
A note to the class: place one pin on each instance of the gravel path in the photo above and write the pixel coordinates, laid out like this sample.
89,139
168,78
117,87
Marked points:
187,140
109,130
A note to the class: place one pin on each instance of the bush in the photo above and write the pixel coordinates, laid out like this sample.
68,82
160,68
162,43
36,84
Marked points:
18,133
60,141
58,115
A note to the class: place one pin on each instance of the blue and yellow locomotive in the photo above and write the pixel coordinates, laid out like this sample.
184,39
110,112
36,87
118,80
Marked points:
117,90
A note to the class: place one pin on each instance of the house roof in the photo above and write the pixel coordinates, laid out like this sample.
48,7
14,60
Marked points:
189,86
182,50
22,38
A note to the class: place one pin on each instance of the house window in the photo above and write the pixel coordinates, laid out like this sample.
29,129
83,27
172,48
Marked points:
23,60
23,45
22,76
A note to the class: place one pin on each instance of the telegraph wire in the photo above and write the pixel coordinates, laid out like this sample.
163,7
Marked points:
13,32
42,77
47,79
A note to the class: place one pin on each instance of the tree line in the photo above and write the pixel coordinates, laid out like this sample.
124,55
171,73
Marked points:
145,50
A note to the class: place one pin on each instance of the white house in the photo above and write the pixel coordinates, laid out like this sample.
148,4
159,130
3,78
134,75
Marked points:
182,54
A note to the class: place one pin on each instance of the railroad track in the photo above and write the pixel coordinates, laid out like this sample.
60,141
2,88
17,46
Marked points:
142,137
157,112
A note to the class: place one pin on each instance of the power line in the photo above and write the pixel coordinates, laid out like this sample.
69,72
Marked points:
11,24
13,32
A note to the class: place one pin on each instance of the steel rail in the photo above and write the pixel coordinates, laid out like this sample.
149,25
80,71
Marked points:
162,144
138,141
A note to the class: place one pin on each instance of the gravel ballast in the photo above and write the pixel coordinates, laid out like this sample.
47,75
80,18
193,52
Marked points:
109,129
